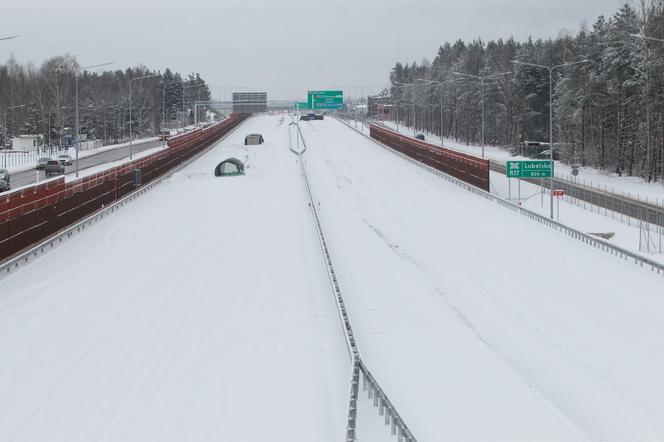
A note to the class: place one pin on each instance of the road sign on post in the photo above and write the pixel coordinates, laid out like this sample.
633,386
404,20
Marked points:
325,99
529,169
301,105
558,192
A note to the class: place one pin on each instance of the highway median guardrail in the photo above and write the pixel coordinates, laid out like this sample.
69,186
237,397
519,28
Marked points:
569,231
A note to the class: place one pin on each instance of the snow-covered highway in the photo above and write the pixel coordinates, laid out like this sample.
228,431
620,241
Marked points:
479,323
202,311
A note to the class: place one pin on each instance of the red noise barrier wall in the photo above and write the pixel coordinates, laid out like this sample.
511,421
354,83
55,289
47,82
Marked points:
467,168
32,214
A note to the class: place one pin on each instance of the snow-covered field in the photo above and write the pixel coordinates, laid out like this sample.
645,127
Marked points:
480,324
202,311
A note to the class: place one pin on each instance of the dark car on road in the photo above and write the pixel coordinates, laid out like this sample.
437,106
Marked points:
65,159
4,180
42,162
54,167
305,118
420,137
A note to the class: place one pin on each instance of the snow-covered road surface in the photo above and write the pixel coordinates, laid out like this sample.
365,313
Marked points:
200,312
479,323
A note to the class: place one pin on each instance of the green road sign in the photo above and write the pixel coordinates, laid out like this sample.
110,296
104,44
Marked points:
528,169
325,99
301,105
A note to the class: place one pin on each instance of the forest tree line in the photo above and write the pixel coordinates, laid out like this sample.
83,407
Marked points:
42,100
608,112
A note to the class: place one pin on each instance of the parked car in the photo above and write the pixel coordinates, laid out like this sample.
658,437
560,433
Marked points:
420,137
4,180
54,167
42,162
546,154
65,159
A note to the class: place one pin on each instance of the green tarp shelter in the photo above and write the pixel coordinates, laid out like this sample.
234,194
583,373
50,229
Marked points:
229,167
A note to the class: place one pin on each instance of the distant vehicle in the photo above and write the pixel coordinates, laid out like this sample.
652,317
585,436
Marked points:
319,117
54,167
253,139
546,154
42,162
305,118
4,180
65,160
164,135
420,137
6,148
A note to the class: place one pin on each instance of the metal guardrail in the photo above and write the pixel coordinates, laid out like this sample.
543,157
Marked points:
10,266
576,192
569,231
380,399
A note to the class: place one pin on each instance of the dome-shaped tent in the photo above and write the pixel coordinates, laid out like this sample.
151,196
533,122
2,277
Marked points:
229,167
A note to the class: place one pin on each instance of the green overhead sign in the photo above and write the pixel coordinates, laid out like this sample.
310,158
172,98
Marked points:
529,169
325,99
301,105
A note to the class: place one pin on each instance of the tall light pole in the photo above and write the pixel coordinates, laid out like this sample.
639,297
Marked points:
11,37
550,69
142,77
78,133
440,84
412,102
482,79
4,156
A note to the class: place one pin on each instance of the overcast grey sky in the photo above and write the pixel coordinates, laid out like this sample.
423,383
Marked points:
285,46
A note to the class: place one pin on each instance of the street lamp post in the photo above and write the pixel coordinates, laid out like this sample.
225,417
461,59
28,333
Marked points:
142,77
78,134
397,85
4,156
11,37
550,69
482,79
440,84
